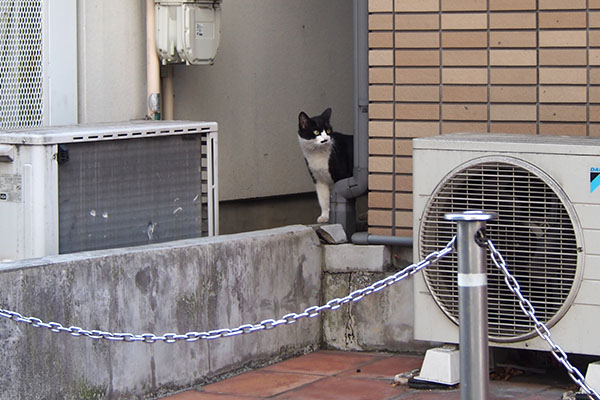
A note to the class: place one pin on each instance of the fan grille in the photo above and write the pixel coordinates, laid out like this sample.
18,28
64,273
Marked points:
533,231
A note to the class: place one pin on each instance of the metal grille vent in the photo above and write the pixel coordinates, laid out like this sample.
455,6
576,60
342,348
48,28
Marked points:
21,80
533,231
132,192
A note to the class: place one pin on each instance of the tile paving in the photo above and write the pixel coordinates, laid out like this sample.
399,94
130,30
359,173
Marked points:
333,375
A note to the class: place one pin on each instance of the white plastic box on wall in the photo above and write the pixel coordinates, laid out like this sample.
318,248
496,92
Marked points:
188,31
86,187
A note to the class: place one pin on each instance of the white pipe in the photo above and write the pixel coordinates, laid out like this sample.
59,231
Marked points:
152,65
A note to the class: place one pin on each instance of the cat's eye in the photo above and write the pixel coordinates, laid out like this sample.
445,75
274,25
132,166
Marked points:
328,130
316,133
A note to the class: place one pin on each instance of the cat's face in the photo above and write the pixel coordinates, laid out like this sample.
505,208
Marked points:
315,130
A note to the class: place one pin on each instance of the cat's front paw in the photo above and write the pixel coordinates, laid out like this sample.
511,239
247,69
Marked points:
323,219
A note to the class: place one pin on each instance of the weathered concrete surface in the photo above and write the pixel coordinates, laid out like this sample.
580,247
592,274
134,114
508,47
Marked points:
351,257
191,285
332,234
382,321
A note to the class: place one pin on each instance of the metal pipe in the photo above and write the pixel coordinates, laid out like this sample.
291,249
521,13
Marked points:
342,210
472,303
367,238
152,65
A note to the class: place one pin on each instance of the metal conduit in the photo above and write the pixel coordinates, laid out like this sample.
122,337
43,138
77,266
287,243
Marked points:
366,238
344,191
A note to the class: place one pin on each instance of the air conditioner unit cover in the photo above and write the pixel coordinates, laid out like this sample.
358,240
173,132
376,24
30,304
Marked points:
87,187
545,192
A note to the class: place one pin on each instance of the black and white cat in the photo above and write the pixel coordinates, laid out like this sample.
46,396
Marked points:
328,154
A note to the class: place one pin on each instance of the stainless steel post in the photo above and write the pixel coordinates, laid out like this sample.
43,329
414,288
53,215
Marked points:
472,303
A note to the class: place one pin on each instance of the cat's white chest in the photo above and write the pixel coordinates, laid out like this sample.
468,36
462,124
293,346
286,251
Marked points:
318,161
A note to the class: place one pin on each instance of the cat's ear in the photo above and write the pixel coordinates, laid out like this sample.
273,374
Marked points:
326,114
303,120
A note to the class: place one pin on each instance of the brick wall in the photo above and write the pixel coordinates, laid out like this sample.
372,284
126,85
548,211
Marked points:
442,66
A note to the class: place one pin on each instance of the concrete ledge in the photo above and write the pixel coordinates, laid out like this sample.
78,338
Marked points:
184,286
351,257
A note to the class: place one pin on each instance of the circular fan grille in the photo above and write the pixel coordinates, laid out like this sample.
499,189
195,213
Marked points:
533,231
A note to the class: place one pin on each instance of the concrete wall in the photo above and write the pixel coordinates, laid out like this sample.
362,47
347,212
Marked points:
276,58
111,60
382,321
192,285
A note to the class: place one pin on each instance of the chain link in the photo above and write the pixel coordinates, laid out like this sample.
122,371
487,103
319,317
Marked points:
540,327
315,311
287,319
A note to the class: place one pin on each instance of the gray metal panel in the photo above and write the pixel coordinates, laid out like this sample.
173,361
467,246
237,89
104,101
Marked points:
106,131
511,143
120,193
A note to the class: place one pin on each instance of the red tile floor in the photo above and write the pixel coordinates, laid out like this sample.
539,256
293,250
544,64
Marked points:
329,375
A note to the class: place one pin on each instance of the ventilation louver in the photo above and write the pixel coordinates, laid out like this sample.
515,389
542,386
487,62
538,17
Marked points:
21,64
534,230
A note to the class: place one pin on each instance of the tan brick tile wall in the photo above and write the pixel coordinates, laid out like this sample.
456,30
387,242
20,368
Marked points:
464,112
416,22
512,127
511,5
381,6
463,94
442,66
381,147
464,5
416,6
381,75
563,94
381,129
417,75
564,76
561,4
521,39
564,19
464,21
471,126
413,93
378,40
563,129
516,57
412,129
465,58
381,200
513,76
513,94
417,40
562,57
459,39
380,182
465,76
513,20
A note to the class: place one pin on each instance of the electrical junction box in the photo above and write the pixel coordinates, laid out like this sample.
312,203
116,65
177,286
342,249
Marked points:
86,187
188,31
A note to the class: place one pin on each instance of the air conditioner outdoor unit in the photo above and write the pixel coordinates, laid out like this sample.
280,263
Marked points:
545,191
86,187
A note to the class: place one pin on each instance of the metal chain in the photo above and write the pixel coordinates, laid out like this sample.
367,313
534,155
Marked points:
288,319
540,327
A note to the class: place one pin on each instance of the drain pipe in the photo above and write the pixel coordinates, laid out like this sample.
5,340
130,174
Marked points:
152,65
367,238
345,191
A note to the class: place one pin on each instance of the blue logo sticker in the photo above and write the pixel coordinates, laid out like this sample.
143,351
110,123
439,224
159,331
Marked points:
594,179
